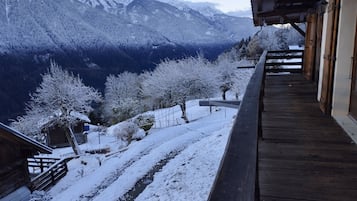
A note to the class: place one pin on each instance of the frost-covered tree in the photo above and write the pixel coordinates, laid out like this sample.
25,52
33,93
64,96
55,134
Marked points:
281,36
254,47
243,77
122,97
226,76
61,100
269,38
173,82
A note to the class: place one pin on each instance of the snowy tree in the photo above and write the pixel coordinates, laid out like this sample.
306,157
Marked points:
226,76
254,48
122,97
281,36
269,38
173,82
243,76
60,100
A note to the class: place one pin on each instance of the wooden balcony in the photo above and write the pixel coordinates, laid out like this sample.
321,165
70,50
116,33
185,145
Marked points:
282,147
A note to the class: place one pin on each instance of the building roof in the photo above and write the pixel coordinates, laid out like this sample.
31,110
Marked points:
11,134
268,12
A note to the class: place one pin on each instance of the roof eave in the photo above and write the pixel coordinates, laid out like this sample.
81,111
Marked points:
27,140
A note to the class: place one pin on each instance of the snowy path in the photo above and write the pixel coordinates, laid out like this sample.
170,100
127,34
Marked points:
131,174
119,174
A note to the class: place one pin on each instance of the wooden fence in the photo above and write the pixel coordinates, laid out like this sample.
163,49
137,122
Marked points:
50,176
37,165
284,61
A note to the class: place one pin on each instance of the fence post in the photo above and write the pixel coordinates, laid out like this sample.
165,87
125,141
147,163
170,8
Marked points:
65,166
52,177
41,164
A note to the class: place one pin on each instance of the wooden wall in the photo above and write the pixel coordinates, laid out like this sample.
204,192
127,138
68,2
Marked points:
13,167
56,136
329,56
313,41
310,47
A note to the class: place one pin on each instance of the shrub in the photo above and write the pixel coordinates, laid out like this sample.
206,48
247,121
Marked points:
145,122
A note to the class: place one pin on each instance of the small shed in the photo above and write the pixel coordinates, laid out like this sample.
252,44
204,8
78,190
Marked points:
56,132
15,148
56,135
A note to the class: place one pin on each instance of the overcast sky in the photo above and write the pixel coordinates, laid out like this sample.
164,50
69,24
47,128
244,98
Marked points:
228,5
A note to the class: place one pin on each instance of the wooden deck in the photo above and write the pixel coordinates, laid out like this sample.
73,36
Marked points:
304,154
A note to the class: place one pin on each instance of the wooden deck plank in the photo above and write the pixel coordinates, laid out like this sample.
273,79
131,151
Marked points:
303,155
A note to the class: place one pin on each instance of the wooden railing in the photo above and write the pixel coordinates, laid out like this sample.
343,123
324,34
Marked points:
223,103
50,176
37,164
284,61
237,175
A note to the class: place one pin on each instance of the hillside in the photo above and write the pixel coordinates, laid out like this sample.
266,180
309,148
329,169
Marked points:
176,161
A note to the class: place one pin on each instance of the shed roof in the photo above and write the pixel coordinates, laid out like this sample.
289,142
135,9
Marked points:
11,134
268,12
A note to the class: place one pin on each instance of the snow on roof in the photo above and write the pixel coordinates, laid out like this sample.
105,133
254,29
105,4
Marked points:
80,116
44,122
38,146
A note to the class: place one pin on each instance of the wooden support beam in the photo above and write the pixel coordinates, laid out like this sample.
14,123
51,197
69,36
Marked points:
297,28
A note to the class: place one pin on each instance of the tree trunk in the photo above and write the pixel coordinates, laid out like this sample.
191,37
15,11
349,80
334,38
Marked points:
72,140
224,95
183,110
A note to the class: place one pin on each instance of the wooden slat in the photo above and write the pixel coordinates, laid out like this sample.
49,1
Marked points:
50,177
283,57
279,70
284,63
285,51
304,154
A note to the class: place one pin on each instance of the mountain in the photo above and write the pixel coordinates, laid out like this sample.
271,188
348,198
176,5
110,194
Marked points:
241,13
205,8
94,38
197,22
235,27
58,25
194,28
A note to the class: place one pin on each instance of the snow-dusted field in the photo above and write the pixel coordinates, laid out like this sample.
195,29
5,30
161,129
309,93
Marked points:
176,161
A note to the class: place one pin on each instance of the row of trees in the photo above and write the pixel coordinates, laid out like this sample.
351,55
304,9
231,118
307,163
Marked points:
171,83
268,38
62,99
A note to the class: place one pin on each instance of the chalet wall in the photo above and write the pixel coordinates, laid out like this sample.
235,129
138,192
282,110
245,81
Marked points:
345,46
323,47
343,68
13,167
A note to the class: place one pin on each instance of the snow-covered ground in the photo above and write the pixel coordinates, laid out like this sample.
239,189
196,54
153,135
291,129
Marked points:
175,161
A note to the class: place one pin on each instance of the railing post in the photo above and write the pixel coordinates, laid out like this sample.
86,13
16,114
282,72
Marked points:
261,103
65,166
52,177
41,164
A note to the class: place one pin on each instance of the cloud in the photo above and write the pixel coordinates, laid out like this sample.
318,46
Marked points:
226,5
